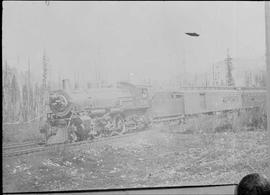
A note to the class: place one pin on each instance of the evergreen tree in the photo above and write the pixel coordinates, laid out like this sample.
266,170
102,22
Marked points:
31,113
230,80
6,93
36,99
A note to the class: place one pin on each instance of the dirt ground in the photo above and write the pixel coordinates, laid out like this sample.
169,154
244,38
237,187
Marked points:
150,158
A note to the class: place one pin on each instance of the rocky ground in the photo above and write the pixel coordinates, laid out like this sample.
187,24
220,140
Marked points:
150,158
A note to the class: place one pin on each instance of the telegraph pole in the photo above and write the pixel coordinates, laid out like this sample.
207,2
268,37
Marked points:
228,60
267,57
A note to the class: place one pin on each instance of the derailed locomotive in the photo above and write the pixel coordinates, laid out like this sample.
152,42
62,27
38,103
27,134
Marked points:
91,113
78,115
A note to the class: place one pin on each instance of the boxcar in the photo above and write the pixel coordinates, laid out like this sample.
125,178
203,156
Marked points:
222,100
194,102
253,98
167,104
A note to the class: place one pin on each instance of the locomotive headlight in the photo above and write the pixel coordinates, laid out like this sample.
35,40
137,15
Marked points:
58,103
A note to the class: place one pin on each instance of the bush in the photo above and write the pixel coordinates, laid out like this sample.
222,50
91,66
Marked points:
18,133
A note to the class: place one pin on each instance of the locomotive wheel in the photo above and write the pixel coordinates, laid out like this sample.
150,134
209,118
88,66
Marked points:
109,128
79,129
120,125
46,130
79,132
143,123
72,136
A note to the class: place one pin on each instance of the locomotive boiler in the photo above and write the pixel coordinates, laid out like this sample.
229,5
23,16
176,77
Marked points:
82,114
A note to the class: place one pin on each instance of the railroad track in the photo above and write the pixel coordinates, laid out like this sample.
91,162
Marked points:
19,145
21,149
31,147
27,148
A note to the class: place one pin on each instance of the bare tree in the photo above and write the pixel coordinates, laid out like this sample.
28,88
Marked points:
25,103
5,92
15,99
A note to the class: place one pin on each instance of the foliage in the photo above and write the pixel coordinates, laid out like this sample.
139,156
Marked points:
22,106
147,159
21,101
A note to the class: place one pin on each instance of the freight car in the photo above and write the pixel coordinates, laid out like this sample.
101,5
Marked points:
253,98
174,105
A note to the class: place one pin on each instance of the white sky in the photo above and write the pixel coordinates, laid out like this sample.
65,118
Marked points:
144,38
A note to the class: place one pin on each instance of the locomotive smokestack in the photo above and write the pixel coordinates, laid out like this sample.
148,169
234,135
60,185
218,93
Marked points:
65,84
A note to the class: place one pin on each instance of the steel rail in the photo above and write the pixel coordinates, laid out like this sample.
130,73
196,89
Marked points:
48,147
19,145
38,148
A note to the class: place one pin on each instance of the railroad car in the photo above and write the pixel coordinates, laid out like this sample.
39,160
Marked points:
253,98
207,101
189,102
173,104
167,105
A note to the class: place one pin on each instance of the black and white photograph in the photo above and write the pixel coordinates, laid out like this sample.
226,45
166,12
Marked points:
136,97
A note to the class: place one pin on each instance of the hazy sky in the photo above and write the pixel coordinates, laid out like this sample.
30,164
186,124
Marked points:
144,38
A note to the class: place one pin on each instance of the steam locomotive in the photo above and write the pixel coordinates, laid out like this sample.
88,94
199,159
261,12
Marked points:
78,115
90,113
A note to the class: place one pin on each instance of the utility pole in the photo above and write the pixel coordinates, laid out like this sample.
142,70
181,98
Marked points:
267,56
228,61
